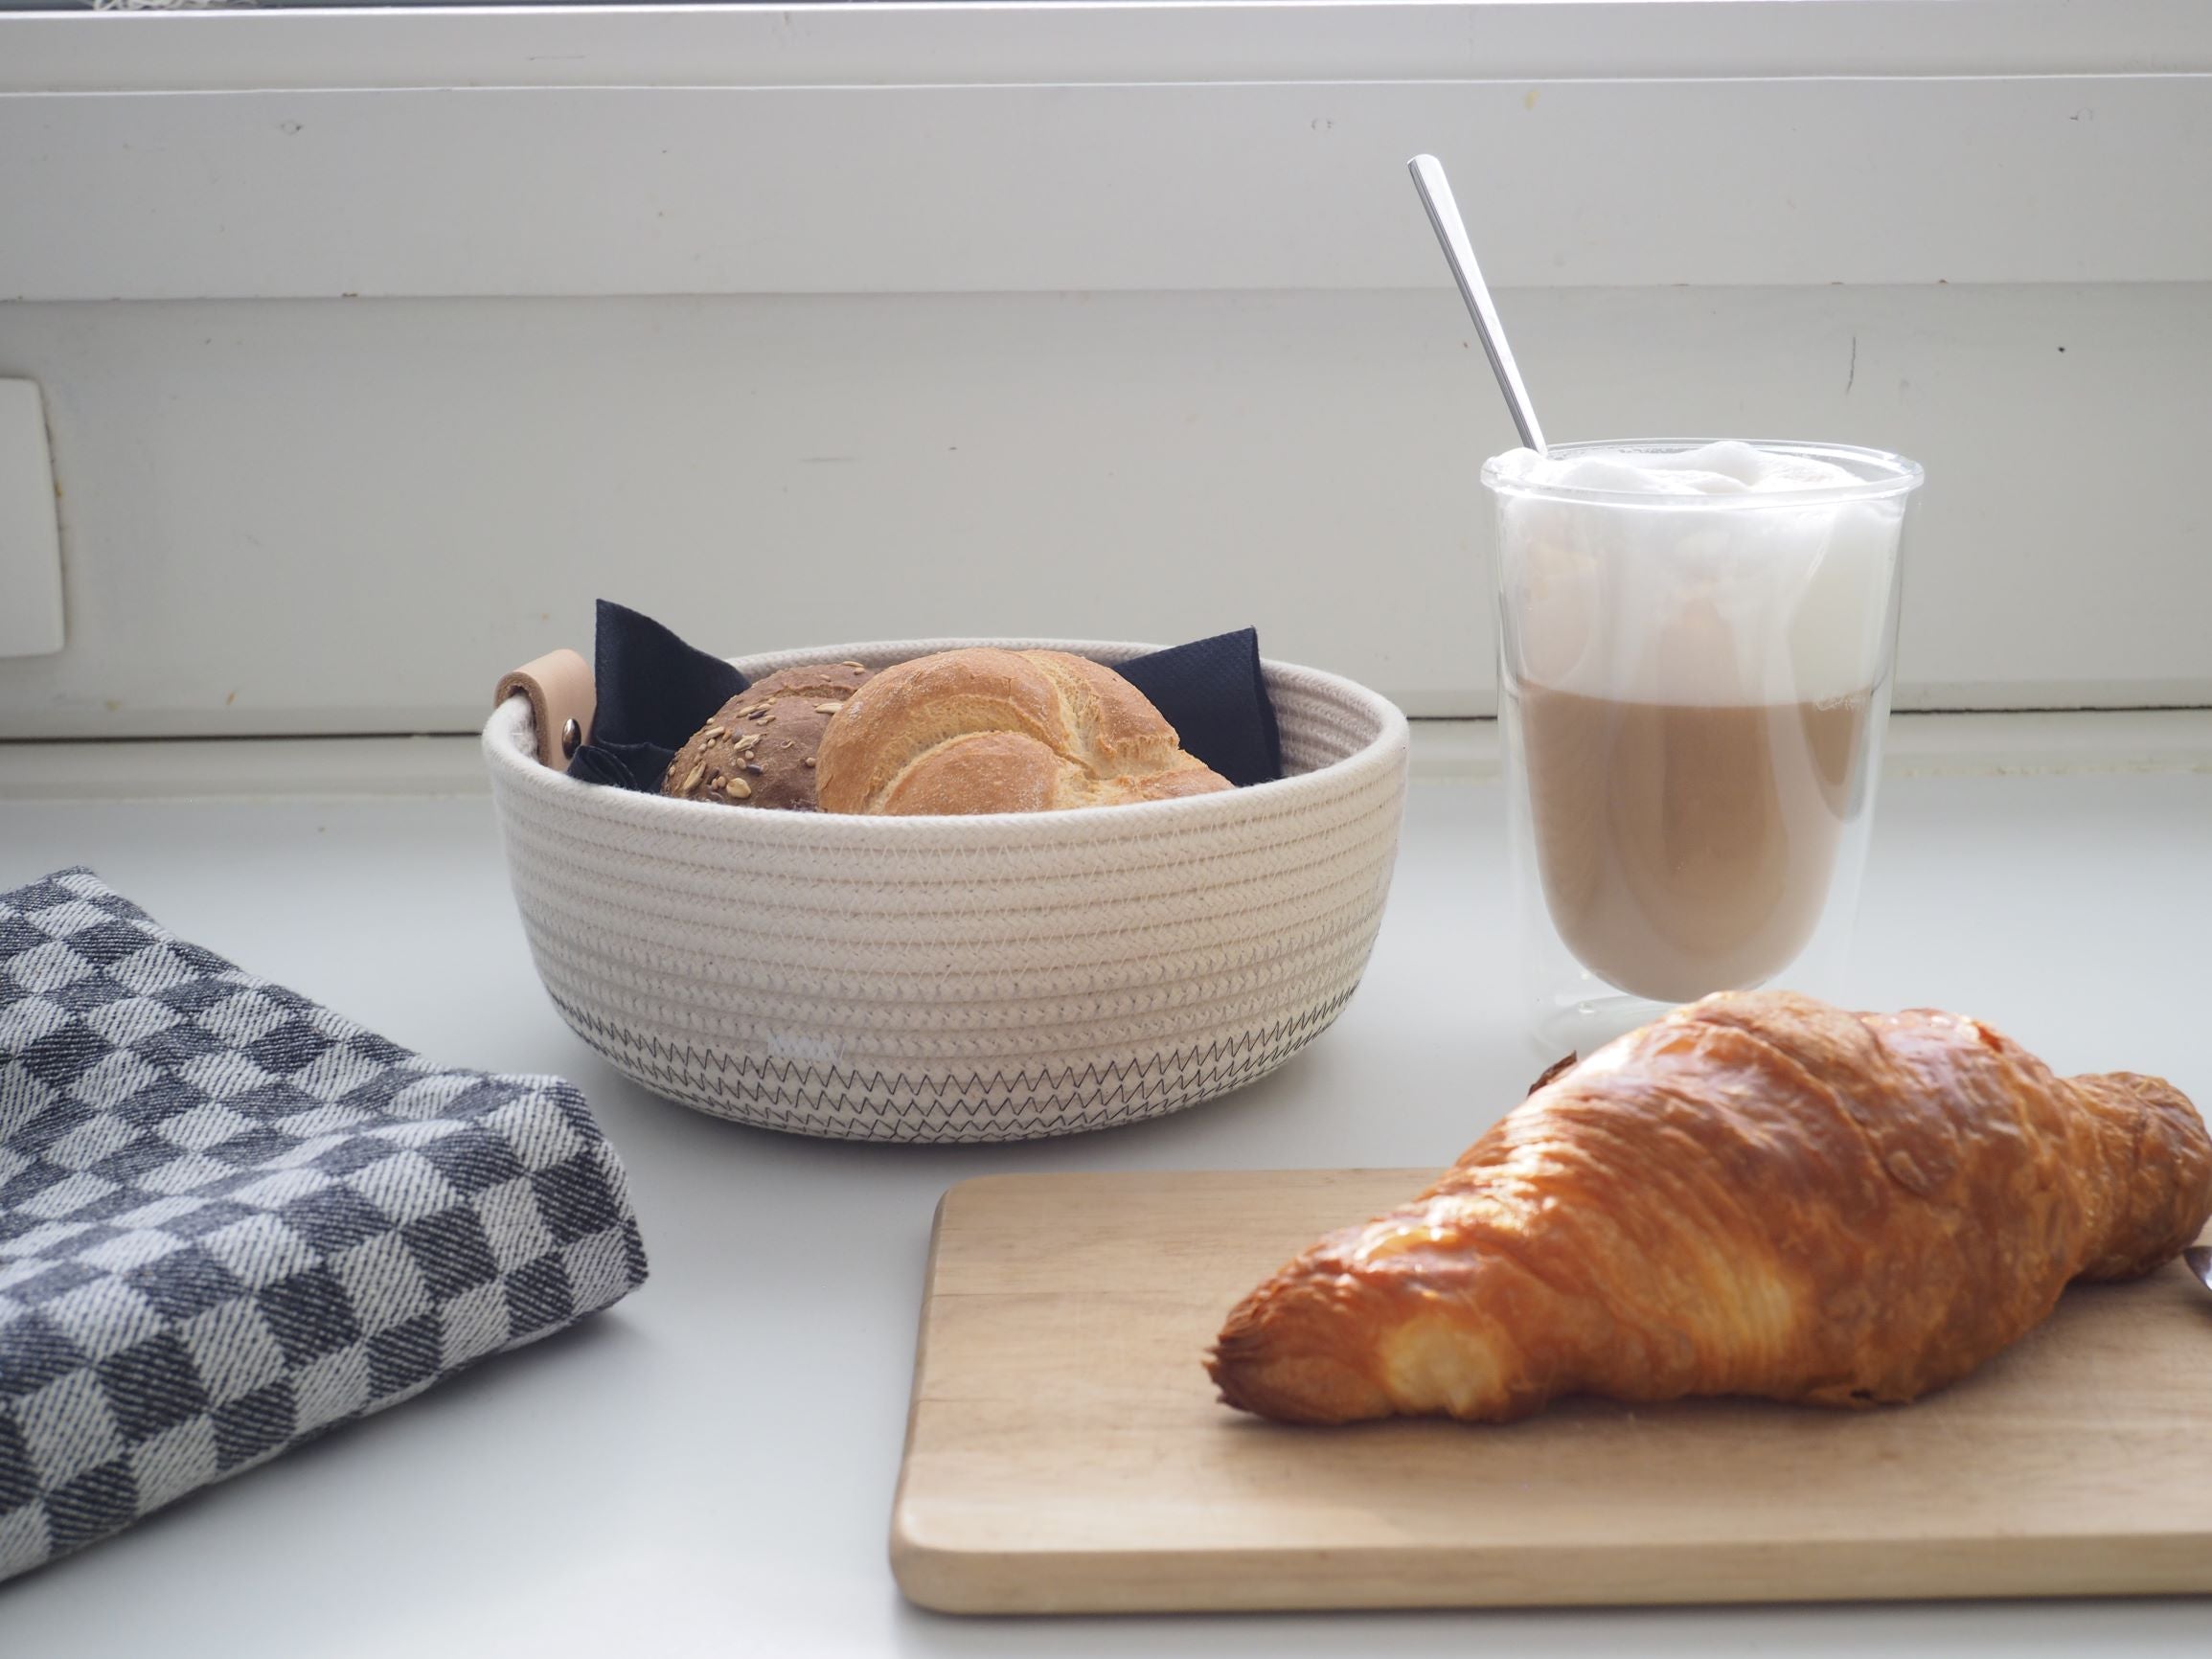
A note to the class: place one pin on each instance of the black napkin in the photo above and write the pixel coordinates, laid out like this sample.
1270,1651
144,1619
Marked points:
1213,694
654,691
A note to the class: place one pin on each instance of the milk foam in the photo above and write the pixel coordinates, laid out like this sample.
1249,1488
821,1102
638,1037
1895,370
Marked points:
1651,597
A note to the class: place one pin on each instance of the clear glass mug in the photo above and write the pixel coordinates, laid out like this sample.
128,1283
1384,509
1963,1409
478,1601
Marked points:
1693,689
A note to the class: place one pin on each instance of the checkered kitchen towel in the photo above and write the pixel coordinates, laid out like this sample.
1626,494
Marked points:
230,1219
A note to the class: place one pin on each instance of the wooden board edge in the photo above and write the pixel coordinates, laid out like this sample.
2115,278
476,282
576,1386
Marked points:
945,1577
898,1549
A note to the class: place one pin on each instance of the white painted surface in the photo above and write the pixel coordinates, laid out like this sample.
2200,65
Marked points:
648,150
918,42
708,1469
1443,751
552,190
1036,371
30,537
300,516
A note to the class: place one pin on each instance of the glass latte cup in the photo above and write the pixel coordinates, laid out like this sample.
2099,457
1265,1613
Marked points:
1695,649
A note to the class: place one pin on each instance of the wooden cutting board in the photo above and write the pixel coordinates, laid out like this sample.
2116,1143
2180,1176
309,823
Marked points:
1065,1453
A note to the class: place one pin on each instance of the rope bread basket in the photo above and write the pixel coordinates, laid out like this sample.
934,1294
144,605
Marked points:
987,978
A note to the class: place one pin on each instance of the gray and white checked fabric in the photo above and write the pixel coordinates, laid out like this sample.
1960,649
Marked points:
231,1219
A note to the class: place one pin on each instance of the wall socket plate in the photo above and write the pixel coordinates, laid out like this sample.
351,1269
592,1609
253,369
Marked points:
30,528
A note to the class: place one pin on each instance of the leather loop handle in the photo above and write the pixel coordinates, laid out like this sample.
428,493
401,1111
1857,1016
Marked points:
562,700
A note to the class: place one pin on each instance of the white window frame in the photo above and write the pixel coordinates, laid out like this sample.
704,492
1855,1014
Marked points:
965,147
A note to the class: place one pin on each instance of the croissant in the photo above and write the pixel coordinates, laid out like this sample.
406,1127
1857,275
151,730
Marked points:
1758,1194
985,730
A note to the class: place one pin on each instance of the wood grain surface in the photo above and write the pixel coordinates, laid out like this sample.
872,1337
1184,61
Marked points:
1065,1453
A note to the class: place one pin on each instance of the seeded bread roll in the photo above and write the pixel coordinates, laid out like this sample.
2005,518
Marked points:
760,748
832,681
984,730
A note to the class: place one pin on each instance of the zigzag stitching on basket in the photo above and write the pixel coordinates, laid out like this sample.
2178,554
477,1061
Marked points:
1172,1079
1044,1013
1140,1088
690,1060
1169,1080
986,1124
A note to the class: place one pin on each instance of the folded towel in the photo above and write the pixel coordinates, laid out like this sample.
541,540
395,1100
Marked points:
655,690
231,1219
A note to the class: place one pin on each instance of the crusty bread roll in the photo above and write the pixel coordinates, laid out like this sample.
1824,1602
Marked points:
759,749
985,730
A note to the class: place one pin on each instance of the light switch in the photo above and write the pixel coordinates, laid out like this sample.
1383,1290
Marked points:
29,532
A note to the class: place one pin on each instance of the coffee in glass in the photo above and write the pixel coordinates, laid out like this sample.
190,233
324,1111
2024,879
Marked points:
1695,650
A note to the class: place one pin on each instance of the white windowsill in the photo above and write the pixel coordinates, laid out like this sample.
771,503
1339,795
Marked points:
1445,751
709,1466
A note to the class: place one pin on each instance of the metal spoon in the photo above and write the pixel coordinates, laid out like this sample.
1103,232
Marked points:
2198,1257
1459,253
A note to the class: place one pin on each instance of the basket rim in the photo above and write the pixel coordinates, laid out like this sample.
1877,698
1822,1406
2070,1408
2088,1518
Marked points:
510,751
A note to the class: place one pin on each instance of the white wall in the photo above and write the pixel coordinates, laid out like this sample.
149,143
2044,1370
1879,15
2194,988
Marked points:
351,516
1966,229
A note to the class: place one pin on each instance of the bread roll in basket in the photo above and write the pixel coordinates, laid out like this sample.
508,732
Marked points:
987,978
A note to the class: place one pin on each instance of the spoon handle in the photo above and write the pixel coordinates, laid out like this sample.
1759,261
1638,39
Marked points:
1459,253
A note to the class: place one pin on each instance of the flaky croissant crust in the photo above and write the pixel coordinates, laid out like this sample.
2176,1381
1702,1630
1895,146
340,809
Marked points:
1759,1195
